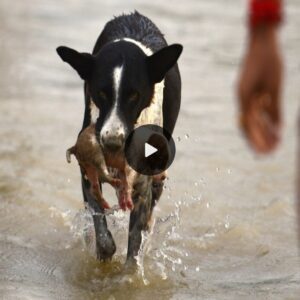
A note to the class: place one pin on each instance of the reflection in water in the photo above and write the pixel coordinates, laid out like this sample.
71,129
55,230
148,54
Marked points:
225,226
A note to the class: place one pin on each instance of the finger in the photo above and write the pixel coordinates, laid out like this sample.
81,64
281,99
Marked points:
256,139
262,136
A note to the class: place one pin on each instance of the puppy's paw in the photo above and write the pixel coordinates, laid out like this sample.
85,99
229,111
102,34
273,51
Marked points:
116,182
129,203
122,202
105,204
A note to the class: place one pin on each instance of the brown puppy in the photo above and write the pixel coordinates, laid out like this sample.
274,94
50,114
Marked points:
91,159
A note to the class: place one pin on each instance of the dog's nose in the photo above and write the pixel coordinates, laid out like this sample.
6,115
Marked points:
112,143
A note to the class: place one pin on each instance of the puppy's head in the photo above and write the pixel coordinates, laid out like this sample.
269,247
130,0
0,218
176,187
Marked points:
120,80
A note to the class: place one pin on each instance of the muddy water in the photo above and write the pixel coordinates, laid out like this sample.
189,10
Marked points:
225,226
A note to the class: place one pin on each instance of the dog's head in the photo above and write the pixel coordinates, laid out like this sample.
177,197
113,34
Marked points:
120,80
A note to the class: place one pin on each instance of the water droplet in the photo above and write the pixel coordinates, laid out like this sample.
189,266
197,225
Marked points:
207,205
197,269
178,139
229,171
164,276
186,136
227,224
68,180
217,169
196,183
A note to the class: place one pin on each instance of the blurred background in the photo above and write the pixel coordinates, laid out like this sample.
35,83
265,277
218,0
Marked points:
225,225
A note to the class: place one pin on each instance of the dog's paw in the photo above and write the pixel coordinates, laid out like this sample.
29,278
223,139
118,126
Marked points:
125,201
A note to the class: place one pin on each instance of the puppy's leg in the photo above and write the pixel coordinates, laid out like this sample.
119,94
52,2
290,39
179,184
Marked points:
70,151
130,177
103,173
125,191
140,215
92,175
106,177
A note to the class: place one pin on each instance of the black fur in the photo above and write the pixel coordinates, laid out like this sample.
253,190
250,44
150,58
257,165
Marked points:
134,26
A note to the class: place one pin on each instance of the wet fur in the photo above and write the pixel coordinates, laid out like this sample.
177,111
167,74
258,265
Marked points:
91,159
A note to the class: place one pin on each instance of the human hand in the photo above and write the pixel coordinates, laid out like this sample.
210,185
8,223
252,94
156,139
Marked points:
259,90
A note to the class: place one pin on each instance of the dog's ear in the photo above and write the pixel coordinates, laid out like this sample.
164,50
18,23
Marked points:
81,62
162,61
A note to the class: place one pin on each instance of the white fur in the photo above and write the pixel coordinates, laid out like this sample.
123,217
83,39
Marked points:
145,49
117,77
113,126
93,140
94,111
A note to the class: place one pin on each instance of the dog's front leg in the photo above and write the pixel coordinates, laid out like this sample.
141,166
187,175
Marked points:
140,215
105,245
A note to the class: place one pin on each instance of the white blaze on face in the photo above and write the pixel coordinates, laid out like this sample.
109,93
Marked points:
113,126
117,77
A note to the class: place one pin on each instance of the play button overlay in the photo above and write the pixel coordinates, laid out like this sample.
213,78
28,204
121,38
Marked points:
149,150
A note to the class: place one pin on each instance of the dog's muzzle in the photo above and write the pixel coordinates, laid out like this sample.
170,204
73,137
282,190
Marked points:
113,142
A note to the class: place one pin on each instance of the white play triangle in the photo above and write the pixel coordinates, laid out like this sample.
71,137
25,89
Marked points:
149,150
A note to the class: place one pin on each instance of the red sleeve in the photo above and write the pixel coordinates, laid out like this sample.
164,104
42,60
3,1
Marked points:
265,12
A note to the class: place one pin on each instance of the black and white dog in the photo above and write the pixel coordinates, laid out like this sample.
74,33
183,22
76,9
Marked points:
131,79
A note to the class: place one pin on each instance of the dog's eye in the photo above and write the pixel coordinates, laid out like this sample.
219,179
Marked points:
102,95
134,96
